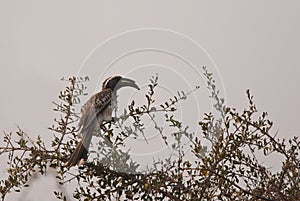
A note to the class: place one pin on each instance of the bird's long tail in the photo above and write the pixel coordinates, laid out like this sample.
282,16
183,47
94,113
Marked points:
79,156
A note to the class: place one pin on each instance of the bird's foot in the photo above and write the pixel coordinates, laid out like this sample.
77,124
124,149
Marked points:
114,119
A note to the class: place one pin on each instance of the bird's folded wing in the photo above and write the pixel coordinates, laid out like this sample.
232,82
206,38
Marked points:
94,107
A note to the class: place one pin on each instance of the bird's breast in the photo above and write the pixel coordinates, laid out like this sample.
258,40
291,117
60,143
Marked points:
107,114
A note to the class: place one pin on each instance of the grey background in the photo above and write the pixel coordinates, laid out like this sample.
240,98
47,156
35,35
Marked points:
255,44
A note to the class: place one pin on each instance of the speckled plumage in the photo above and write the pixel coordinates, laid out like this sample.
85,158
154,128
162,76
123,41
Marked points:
94,112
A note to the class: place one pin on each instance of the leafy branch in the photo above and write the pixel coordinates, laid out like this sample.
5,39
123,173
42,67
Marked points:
232,169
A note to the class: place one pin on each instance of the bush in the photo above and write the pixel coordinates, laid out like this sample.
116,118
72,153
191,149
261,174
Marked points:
230,169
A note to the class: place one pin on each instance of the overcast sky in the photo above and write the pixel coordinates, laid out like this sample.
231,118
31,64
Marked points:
251,44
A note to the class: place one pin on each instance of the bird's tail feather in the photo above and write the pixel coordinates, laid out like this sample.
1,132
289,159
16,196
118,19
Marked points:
80,153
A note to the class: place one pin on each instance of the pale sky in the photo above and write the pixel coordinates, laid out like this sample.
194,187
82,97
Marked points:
252,44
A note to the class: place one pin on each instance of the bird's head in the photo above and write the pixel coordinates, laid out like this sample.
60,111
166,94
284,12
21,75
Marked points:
116,82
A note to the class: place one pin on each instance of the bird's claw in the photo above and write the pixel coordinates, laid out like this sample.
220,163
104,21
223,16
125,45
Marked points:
114,119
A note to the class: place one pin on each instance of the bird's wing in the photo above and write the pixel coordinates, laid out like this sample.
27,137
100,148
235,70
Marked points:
94,106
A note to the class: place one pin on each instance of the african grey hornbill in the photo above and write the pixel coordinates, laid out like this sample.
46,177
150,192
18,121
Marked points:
94,112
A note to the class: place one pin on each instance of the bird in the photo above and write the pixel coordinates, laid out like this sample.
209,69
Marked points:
97,110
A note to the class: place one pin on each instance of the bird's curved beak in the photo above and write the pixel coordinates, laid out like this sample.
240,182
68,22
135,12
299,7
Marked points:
125,82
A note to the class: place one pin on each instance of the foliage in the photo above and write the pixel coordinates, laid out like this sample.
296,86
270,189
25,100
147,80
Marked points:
231,169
